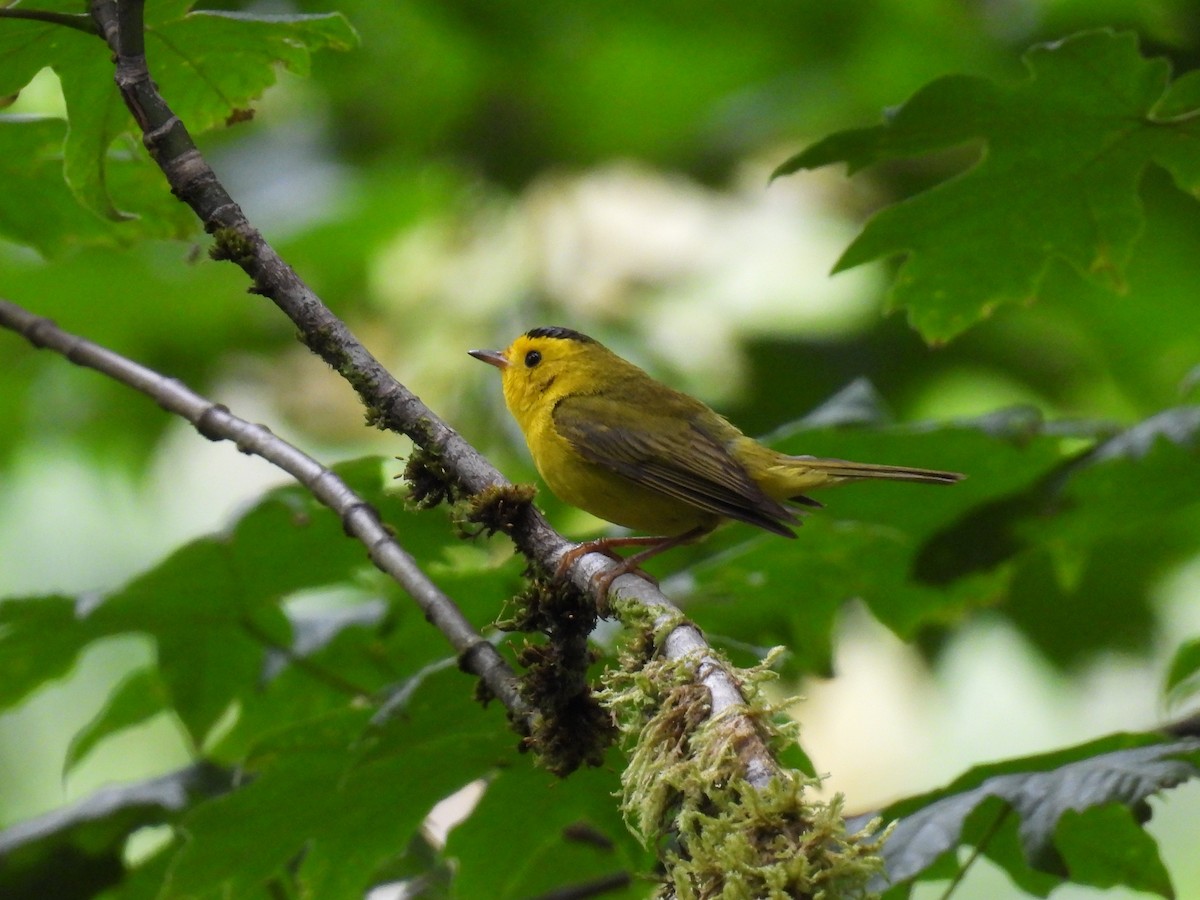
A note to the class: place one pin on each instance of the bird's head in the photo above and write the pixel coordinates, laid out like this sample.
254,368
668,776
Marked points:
544,364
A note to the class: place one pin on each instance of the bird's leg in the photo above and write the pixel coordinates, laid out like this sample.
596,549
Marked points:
605,546
654,546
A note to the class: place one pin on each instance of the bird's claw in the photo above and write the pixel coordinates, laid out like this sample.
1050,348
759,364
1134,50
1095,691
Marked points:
601,581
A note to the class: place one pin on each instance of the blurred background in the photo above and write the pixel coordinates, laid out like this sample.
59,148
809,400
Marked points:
478,168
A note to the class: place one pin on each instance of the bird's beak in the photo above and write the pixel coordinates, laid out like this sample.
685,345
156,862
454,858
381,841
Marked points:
491,357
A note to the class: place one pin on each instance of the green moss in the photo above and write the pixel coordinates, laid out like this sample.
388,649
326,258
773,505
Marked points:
422,432
646,627
775,842
230,244
483,694
496,508
684,793
374,417
570,728
429,481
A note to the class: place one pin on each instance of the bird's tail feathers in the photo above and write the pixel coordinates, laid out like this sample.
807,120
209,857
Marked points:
841,468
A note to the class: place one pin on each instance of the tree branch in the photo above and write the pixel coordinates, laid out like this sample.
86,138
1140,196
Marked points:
359,518
389,403
79,21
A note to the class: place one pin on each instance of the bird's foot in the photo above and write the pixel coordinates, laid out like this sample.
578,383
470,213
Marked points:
602,581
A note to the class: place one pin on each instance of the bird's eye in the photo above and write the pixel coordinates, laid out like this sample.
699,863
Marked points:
532,358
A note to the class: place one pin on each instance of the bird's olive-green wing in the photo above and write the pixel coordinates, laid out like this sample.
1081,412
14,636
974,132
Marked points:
666,446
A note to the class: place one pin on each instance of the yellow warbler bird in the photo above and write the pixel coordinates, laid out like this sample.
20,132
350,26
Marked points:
608,438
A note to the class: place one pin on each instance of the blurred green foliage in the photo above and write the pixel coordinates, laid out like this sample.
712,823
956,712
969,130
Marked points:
1057,180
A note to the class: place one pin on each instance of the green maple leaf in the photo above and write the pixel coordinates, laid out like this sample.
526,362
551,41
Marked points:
211,66
1064,152
1076,813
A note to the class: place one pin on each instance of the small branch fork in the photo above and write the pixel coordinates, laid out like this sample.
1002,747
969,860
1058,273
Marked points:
360,519
390,404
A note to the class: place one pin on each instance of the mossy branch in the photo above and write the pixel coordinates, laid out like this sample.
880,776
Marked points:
685,792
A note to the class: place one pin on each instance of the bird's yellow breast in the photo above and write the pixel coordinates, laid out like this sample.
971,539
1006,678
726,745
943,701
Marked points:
601,492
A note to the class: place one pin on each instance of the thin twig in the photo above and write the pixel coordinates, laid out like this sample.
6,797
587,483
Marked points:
604,885
304,664
359,518
78,21
976,851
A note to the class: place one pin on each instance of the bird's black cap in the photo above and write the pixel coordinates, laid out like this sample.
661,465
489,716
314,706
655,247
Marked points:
562,334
